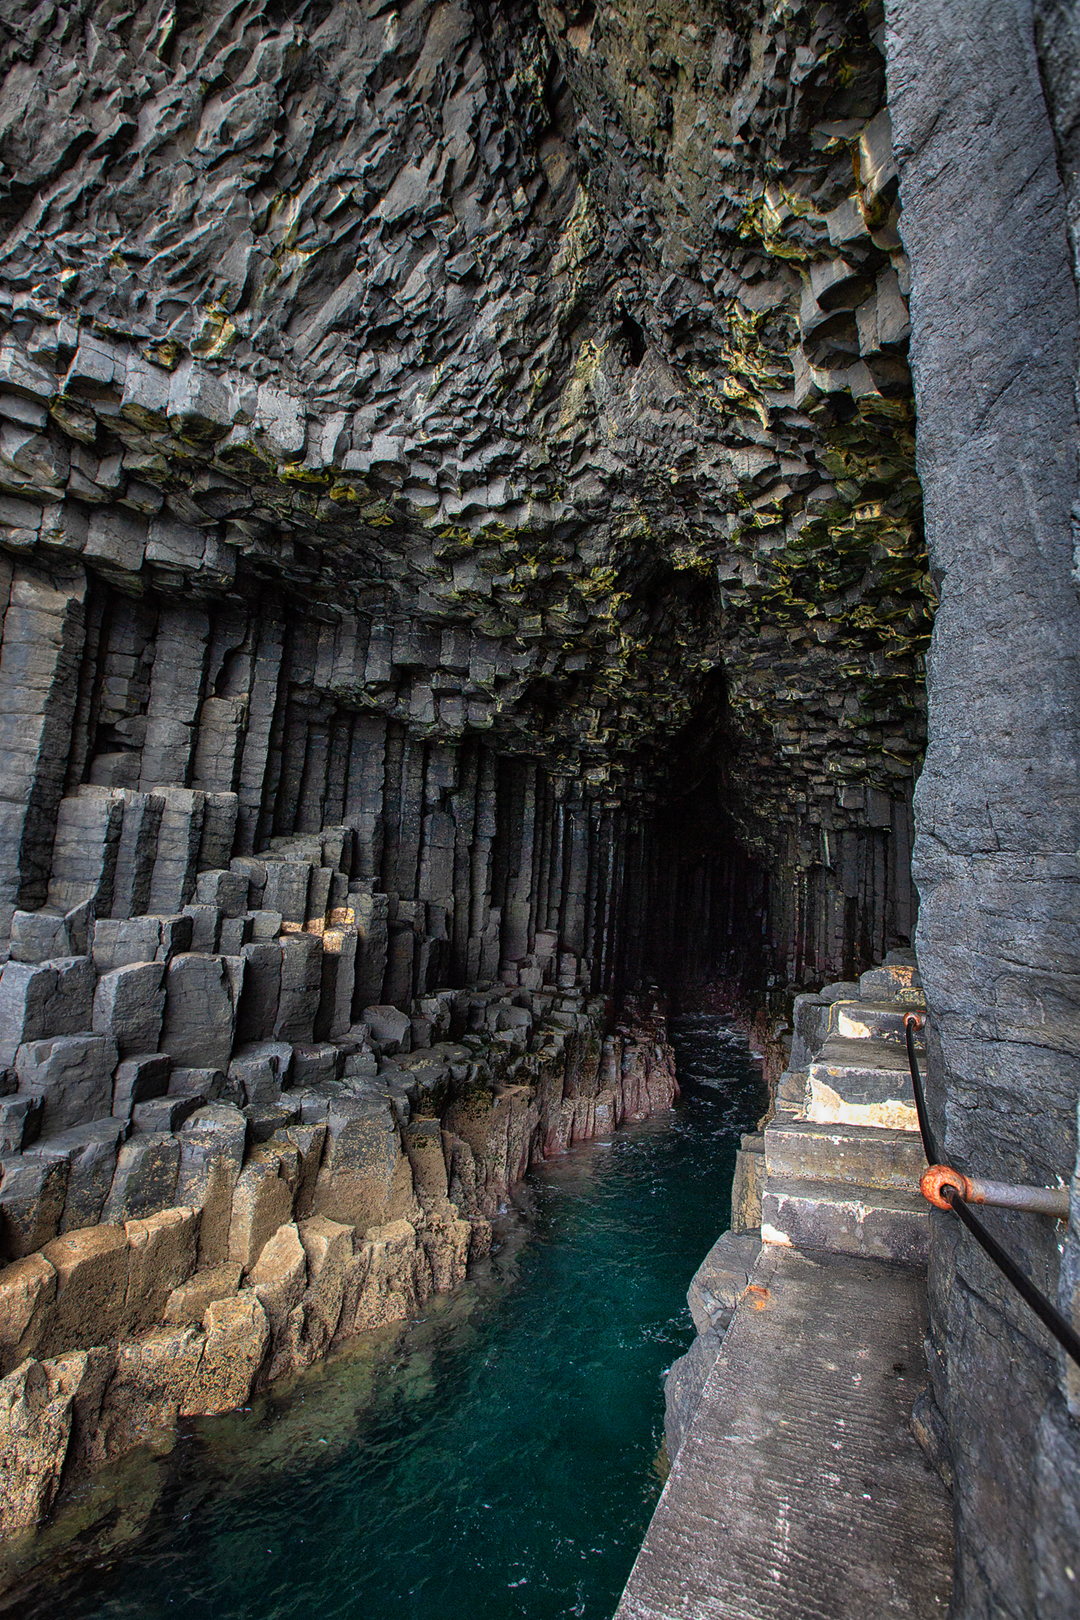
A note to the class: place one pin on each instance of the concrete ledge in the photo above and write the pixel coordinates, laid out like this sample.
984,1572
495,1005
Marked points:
799,1491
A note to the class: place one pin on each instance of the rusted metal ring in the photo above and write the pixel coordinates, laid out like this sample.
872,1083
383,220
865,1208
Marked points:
937,1178
914,1020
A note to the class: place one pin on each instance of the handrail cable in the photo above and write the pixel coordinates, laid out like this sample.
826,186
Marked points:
950,1195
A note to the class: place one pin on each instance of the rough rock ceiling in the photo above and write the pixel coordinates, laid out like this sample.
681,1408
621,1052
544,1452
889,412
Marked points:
558,355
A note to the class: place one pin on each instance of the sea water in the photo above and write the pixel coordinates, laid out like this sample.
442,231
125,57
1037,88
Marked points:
499,1458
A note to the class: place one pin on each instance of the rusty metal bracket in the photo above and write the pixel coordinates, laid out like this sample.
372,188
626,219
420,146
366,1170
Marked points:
1053,1201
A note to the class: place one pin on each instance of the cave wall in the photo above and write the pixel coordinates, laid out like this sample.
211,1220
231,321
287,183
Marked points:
994,348
461,527
461,558
552,365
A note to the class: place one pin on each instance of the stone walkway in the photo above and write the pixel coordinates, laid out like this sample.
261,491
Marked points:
799,1491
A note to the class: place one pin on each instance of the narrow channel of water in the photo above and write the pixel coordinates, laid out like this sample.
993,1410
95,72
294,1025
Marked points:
497,1459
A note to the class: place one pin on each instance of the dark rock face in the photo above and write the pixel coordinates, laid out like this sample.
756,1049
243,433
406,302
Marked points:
994,348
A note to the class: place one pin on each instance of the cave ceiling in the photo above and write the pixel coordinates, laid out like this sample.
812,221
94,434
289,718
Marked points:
563,350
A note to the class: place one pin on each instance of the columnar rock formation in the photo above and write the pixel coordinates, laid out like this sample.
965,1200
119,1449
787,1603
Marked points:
241,1244
529,381
460,559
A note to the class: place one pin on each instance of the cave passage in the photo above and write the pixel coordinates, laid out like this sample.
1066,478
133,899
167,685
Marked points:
498,1457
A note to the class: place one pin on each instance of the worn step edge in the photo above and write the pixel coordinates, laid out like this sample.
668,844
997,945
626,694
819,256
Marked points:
861,1083
878,1223
844,1153
859,1020
847,1052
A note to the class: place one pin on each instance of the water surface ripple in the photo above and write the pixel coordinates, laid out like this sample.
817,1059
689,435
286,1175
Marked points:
497,1459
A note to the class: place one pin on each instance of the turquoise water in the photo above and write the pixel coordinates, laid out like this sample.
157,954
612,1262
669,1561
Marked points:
497,1459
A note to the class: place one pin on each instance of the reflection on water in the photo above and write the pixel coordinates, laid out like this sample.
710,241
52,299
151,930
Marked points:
496,1458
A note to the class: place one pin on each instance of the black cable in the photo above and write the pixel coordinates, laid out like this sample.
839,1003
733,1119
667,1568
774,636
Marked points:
929,1145
1048,1314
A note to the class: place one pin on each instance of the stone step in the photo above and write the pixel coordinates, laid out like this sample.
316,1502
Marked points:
891,984
861,1082
873,1222
791,1090
859,1155
871,1021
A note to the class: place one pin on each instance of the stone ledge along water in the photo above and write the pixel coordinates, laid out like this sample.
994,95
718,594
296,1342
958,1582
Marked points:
497,1458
